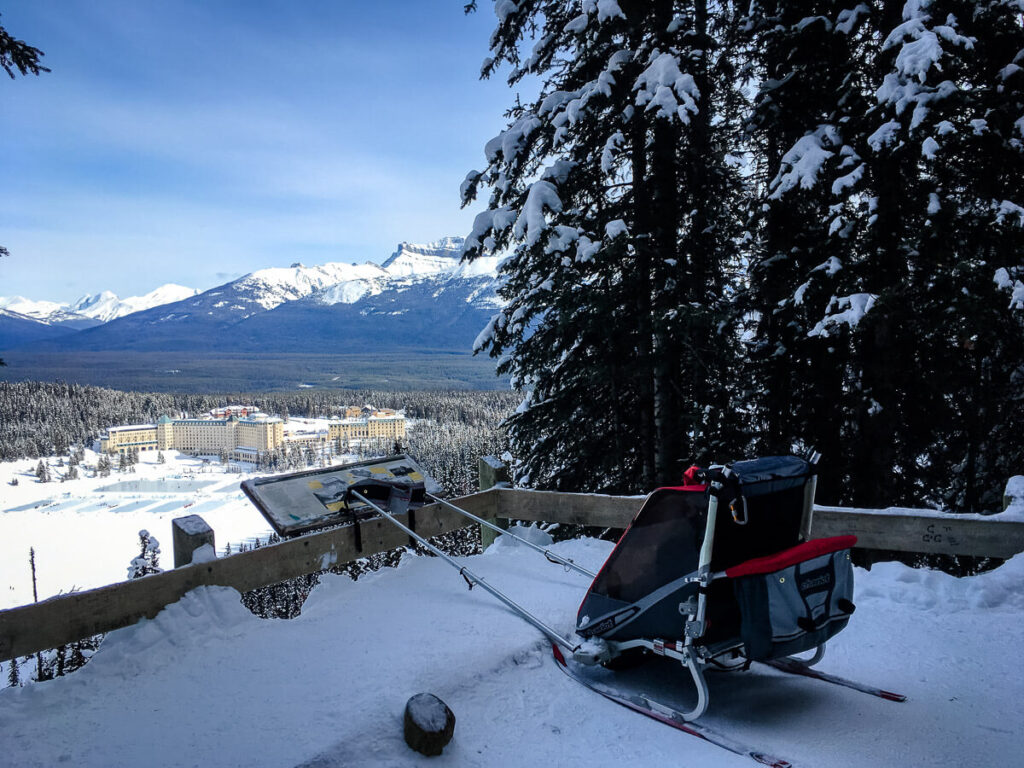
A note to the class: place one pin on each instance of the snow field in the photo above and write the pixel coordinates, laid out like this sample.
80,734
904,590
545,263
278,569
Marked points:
86,531
206,683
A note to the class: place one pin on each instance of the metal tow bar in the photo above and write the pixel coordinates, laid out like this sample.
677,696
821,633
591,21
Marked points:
472,579
551,556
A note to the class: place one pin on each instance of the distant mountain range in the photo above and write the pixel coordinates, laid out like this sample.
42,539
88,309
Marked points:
92,310
422,297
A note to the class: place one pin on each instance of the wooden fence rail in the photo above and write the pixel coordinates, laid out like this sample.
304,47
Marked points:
64,619
61,620
923,531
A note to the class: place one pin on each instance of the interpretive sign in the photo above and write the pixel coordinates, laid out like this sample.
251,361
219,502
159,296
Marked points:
303,501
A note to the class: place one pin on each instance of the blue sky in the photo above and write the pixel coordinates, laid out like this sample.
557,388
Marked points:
192,142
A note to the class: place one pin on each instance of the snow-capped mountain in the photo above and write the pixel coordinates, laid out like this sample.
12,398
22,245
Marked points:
422,296
48,313
440,257
269,288
93,310
106,306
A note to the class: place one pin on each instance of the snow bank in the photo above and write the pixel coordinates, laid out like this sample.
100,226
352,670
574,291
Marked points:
999,590
206,683
532,533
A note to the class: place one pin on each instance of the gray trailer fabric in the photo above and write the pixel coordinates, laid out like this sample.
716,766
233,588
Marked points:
796,608
771,474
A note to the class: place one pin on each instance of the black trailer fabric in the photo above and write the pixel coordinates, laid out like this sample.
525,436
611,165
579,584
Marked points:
642,588
796,608
661,545
771,474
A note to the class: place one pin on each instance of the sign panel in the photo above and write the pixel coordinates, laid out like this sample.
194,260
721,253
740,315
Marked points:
303,501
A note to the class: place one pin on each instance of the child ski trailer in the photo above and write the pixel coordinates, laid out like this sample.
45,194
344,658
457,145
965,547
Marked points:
716,573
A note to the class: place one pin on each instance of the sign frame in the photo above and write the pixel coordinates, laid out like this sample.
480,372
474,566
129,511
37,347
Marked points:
300,502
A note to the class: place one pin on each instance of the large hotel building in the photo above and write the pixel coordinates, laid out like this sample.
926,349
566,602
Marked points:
244,437
367,424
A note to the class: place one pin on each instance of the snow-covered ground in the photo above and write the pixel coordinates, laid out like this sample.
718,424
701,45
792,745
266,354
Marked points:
86,531
206,683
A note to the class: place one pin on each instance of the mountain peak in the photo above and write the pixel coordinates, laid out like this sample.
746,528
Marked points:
419,259
106,305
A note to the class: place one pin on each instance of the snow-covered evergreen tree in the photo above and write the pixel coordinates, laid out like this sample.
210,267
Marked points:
887,230
615,189
803,131
13,677
148,560
939,355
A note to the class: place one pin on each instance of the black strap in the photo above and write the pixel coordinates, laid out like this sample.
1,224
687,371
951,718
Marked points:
357,530
412,526
397,496
807,623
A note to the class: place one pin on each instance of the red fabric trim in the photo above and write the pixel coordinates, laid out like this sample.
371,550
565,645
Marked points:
787,557
684,488
690,475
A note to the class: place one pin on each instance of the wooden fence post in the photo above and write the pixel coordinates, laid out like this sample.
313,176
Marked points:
189,534
493,473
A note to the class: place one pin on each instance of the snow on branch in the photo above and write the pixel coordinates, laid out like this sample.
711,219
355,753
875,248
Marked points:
609,9
1007,209
512,140
663,88
484,223
532,222
486,336
884,135
920,49
558,172
505,8
467,190
615,228
561,238
848,181
847,20
847,310
1015,287
587,249
611,147
802,164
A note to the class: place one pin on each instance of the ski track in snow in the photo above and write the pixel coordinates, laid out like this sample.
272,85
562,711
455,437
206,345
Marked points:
206,683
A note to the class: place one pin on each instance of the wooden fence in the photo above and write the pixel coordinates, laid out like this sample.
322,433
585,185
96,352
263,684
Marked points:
67,618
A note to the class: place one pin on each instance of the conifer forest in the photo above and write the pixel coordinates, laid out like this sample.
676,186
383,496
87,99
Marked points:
454,428
741,228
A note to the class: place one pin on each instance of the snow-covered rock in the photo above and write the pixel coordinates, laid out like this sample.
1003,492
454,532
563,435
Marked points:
414,260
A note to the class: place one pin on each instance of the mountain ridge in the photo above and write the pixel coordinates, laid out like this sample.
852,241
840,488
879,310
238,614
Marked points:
422,296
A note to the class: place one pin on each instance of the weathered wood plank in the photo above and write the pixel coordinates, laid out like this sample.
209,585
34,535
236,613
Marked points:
491,471
922,531
188,534
67,618
568,508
